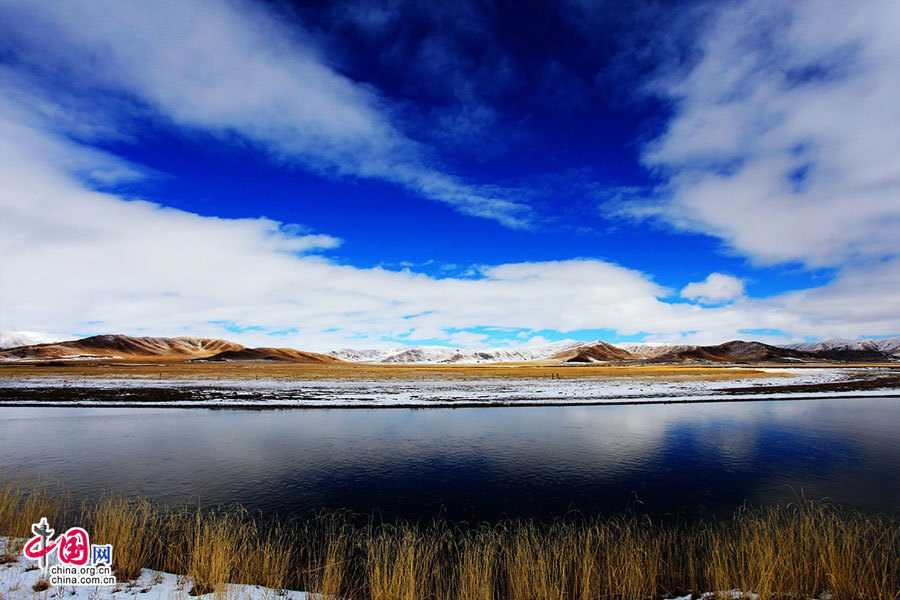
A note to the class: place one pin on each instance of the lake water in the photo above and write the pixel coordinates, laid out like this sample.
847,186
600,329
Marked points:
473,464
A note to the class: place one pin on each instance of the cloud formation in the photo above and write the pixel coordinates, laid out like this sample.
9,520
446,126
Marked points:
763,151
783,141
231,69
84,261
81,261
716,288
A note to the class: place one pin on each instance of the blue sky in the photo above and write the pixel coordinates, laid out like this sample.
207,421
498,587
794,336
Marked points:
367,174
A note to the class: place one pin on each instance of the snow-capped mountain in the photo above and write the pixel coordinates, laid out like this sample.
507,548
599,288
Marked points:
14,339
122,346
593,352
443,354
650,349
369,356
890,346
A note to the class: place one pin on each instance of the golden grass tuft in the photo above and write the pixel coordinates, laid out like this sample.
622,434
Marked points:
796,551
326,548
131,526
23,502
804,550
477,564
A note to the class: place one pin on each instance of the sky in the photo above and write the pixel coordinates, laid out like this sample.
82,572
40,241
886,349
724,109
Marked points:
372,174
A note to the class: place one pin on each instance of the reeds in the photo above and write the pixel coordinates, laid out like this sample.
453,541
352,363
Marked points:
131,526
803,550
278,371
25,501
795,551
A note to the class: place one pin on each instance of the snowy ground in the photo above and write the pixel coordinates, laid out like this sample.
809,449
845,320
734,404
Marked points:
269,393
18,580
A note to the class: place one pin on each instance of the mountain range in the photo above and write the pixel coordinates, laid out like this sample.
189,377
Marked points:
566,351
144,348
443,354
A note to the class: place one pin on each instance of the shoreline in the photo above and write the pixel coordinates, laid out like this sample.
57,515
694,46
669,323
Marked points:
263,405
251,386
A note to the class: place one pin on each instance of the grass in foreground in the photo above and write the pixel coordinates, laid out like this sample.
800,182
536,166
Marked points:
802,550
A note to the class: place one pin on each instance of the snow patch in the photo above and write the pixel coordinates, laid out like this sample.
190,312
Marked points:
887,345
17,581
14,339
449,392
446,355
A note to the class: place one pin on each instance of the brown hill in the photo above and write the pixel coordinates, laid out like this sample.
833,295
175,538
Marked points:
596,352
641,350
734,351
853,355
123,346
272,354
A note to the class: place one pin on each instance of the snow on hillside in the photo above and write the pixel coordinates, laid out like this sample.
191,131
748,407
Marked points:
443,354
654,349
647,350
371,356
887,345
14,339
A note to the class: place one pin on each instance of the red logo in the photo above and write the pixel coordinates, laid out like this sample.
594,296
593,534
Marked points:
72,547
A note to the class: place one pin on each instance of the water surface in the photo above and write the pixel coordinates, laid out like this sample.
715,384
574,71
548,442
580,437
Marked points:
473,464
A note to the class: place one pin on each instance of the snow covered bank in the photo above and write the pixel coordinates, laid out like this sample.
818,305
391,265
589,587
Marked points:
21,580
430,392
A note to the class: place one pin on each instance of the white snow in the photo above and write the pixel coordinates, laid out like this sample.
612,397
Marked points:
650,349
444,354
18,578
453,391
14,339
887,345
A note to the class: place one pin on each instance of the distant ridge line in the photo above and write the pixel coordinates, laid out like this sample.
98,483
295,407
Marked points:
116,346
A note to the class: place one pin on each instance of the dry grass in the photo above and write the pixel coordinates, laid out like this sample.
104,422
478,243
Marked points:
23,502
798,551
326,552
362,372
803,551
400,562
41,585
131,526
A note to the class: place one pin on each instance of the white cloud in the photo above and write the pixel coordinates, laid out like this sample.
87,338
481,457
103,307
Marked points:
229,69
536,340
783,141
87,262
716,288
862,300
80,261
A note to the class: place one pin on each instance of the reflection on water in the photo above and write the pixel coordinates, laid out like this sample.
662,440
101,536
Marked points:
473,464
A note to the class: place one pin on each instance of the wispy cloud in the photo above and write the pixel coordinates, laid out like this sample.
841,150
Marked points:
786,151
82,261
783,141
230,69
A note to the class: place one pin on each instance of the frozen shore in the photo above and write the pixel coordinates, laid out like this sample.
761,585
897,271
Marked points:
784,383
19,578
